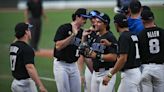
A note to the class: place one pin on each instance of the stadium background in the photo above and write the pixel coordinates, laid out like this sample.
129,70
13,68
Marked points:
11,12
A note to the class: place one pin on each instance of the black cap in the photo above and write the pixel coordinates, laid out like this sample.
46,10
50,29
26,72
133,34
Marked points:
20,29
147,15
103,17
121,20
93,13
82,12
124,9
144,8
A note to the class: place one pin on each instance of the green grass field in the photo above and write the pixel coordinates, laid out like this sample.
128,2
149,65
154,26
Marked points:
8,19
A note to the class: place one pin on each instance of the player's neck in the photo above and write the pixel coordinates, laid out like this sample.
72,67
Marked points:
75,23
123,29
23,39
135,16
102,32
149,25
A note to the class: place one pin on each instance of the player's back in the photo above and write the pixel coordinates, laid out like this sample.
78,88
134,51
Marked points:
20,54
151,45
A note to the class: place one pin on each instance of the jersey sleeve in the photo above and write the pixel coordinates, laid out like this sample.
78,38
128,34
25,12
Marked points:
123,45
28,55
61,33
114,47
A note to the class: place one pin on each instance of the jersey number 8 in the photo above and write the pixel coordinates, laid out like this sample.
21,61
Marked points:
154,46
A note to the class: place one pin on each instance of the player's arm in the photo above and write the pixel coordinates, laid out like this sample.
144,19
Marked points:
87,61
34,75
60,44
80,63
118,66
105,57
65,42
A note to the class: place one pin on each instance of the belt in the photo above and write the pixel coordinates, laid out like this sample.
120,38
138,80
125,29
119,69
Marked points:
129,68
64,61
21,78
154,63
101,69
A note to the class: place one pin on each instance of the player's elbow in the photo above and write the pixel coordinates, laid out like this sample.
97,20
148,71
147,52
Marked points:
29,67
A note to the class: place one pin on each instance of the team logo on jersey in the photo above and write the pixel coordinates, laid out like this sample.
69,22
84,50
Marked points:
76,41
98,47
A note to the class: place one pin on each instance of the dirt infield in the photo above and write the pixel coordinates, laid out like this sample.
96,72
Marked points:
44,53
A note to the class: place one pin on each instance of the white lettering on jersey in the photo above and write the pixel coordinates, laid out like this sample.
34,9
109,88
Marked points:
153,34
135,40
13,49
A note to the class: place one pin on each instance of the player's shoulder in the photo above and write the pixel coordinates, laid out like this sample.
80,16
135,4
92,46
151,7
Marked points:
110,36
66,26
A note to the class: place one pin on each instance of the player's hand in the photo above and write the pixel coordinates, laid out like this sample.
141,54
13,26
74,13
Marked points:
86,32
105,42
106,79
42,89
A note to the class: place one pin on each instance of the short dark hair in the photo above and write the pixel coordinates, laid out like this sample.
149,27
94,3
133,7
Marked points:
20,29
135,7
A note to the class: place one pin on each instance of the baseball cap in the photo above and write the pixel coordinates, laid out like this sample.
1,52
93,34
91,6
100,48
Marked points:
103,17
144,8
20,29
124,9
82,12
93,13
147,15
121,20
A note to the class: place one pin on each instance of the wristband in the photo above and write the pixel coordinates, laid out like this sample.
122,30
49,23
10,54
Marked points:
109,75
98,56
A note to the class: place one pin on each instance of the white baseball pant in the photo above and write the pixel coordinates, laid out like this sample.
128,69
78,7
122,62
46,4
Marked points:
88,78
96,83
67,76
152,78
24,85
130,79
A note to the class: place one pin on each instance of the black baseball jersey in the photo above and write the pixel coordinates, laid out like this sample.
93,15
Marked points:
99,48
35,8
20,55
151,45
128,44
68,53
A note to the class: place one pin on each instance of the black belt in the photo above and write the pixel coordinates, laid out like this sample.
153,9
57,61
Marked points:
154,63
21,78
124,69
64,61
101,69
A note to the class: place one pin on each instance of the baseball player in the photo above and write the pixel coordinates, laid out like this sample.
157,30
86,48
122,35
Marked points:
151,46
128,60
103,57
67,40
22,62
88,74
